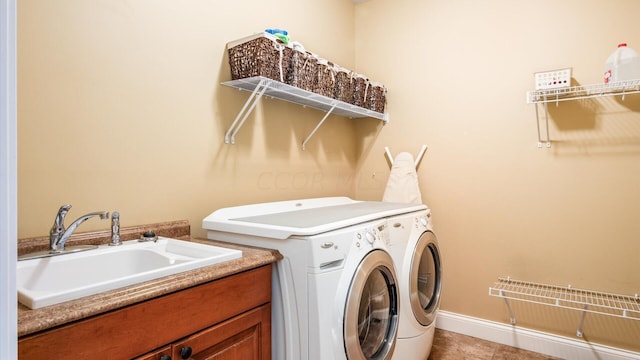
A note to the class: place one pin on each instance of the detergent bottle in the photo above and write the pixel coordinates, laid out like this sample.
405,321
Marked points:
623,64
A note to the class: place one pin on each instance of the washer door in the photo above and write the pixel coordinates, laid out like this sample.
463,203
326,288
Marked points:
426,279
371,311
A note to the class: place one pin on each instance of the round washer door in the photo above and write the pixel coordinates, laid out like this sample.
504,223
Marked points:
371,310
426,279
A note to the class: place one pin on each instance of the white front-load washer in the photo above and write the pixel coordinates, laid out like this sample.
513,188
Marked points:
335,292
415,252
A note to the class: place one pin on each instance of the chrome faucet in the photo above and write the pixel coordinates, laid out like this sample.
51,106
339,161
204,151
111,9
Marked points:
59,235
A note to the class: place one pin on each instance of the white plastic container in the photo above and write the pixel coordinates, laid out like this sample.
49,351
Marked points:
623,64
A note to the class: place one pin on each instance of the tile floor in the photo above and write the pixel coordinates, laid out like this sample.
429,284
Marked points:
453,346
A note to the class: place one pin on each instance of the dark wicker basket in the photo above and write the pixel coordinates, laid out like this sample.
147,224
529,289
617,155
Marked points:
259,55
303,70
360,88
376,97
265,55
326,76
343,90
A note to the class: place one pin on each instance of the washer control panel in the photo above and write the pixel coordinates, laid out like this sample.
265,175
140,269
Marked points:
329,250
372,236
365,238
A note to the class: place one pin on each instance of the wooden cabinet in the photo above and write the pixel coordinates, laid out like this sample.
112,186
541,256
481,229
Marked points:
241,337
229,318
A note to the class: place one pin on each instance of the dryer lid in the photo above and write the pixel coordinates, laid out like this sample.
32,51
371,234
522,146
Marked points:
306,217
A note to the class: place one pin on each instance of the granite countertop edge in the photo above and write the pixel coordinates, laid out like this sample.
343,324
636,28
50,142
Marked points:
33,321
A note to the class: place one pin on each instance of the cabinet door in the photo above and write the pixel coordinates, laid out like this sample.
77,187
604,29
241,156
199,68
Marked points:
246,336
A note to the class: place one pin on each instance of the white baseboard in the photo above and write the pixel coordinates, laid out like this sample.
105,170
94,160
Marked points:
540,342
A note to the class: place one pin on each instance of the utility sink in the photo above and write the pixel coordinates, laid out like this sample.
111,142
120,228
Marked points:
52,280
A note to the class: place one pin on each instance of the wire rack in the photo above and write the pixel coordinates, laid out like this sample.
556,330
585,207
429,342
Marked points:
623,306
544,96
584,92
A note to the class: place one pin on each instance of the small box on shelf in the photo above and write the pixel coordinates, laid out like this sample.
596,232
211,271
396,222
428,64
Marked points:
553,79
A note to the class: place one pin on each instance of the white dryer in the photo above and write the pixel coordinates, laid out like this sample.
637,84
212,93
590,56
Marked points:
335,292
414,249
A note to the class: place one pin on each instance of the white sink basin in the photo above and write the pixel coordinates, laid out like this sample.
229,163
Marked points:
52,280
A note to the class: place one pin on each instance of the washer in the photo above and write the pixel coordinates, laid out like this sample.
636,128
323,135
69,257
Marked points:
414,249
335,292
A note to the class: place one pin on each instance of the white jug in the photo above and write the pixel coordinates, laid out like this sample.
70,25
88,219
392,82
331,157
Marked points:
623,64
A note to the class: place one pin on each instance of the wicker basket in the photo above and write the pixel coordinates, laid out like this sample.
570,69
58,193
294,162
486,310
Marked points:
376,97
343,90
326,76
360,88
259,55
265,55
303,69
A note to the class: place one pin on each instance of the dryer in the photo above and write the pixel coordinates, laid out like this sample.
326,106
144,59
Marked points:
415,252
335,292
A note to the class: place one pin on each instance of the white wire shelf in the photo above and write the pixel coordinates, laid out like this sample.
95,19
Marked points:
261,86
543,97
584,92
623,306
282,91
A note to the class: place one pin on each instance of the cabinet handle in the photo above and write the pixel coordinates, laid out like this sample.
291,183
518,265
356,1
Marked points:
165,357
185,352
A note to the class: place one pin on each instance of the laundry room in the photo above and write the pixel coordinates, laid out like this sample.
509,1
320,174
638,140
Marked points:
130,106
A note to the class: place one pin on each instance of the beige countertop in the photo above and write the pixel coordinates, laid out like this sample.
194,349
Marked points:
32,321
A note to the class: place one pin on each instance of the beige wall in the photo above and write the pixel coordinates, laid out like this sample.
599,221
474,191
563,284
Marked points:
121,108
458,73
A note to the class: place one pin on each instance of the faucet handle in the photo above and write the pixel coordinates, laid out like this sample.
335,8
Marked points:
65,209
57,229
58,222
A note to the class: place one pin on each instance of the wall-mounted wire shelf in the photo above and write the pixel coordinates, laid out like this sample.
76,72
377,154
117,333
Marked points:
623,306
584,92
260,86
543,97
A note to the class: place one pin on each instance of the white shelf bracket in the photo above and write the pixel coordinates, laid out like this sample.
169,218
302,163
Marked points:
584,315
249,105
304,143
546,116
512,316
